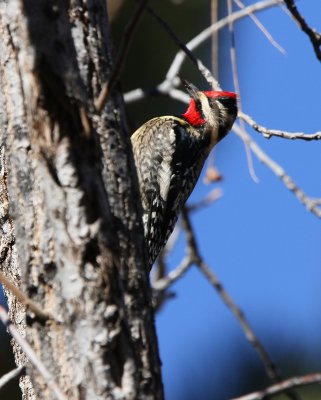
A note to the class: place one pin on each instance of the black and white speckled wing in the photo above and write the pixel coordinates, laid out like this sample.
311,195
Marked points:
168,164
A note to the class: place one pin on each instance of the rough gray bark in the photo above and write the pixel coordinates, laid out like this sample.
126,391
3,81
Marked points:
74,204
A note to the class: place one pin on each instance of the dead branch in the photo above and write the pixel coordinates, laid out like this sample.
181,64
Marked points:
314,36
268,133
262,28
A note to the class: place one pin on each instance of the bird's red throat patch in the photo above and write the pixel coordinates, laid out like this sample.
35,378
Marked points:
192,115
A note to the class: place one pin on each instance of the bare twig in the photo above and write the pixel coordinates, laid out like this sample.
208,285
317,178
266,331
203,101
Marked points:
174,275
24,299
173,35
232,49
162,89
292,383
268,133
161,282
314,36
206,33
121,57
169,246
199,65
311,204
172,240
237,88
262,28
9,376
32,356
161,269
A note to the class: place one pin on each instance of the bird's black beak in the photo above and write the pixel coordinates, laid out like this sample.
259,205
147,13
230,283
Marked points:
191,89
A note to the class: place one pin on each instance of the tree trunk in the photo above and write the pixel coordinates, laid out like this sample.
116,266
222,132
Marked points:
73,199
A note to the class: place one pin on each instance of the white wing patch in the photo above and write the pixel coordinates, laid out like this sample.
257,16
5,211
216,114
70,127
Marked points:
165,177
165,172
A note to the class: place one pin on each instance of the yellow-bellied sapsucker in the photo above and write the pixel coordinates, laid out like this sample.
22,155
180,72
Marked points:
169,154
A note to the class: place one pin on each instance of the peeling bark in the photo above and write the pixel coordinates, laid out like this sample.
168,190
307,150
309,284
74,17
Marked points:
74,206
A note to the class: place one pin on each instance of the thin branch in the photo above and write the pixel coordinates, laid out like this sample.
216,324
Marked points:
162,89
314,36
268,133
285,10
172,240
173,35
160,271
206,33
237,88
32,356
167,249
160,282
262,28
311,204
24,299
199,65
9,376
160,296
292,383
208,76
233,49
174,275
121,57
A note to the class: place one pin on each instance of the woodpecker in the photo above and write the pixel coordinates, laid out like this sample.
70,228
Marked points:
169,154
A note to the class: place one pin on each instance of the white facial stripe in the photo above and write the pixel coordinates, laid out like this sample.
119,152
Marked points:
211,114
